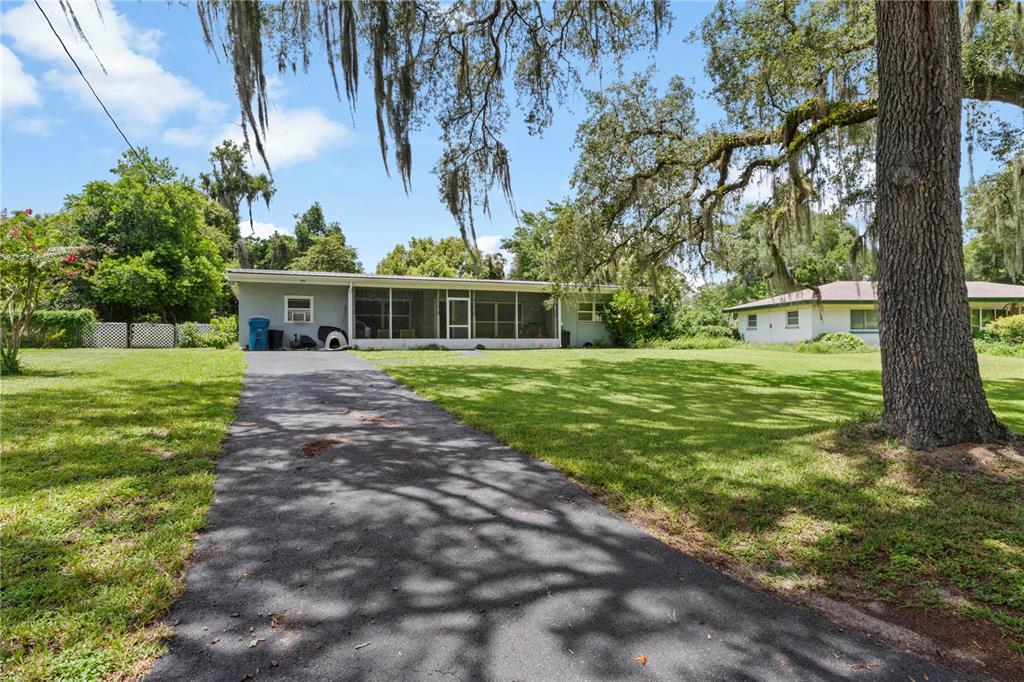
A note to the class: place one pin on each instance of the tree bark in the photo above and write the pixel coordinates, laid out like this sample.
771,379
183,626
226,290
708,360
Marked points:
931,384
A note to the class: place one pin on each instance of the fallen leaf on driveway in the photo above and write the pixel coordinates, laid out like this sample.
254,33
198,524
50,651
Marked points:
642,658
863,666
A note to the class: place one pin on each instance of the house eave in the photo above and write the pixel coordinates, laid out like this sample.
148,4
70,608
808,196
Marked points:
236,275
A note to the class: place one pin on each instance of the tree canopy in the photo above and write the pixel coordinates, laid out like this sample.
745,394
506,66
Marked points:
453,61
429,257
995,221
155,254
317,245
229,181
798,85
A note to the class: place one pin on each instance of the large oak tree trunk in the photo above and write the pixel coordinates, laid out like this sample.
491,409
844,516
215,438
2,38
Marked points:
931,384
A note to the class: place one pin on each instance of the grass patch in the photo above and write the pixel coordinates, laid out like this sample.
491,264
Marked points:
737,456
108,465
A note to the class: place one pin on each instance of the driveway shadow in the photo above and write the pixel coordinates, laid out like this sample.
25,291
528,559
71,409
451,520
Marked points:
360,532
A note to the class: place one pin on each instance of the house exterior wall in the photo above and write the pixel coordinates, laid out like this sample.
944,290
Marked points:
330,307
581,333
771,325
817,320
266,299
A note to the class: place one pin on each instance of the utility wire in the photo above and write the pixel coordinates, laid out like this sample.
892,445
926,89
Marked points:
135,151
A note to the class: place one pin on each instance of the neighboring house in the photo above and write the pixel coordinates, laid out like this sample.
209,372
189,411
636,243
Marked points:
391,311
850,307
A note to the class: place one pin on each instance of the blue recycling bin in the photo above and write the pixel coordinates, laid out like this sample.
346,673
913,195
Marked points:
259,333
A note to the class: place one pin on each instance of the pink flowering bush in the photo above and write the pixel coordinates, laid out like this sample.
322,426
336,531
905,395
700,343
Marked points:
35,258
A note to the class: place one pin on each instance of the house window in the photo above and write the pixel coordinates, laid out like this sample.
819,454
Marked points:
590,311
792,319
298,308
982,316
863,320
751,321
495,319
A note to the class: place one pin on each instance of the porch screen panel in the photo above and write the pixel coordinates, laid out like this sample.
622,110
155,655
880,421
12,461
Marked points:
536,320
494,314
371,306
414,313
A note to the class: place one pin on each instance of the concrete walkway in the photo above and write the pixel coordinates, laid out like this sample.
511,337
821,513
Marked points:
361,533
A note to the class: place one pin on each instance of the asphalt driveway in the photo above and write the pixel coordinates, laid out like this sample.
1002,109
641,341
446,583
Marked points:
362,533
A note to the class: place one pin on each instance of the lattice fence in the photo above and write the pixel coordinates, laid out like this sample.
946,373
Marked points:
151,335
109,335
143,335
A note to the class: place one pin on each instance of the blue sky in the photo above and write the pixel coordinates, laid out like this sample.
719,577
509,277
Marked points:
172,95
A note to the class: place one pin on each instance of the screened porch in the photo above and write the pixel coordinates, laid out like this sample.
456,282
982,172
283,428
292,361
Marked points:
391,313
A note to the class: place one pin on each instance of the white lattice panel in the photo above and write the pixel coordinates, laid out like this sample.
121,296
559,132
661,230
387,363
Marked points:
152,335
109,335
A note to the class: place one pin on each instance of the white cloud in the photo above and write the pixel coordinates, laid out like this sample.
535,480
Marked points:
18,88
141,94
489,243
39,127
293,135
260,229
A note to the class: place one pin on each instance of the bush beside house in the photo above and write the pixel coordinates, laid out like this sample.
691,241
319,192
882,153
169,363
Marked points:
224,334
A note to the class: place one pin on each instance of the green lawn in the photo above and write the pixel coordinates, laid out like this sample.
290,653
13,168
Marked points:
734,455
107,471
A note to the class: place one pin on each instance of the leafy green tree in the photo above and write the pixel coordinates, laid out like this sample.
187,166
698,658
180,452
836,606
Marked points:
311,224
832,251
225,228
494,266
803,87
427,257
629,318
131,284
229,181
531,243
328,253
35,260
149,220
995,221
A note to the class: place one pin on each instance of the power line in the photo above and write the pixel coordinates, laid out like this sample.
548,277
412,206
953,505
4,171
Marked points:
135,151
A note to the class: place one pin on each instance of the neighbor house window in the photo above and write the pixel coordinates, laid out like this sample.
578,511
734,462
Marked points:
982,316
792,319
298,308
863,321
590,311
751,321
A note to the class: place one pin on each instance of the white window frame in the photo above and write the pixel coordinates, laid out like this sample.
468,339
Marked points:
790,325
287,310
752,318
596,310
864,330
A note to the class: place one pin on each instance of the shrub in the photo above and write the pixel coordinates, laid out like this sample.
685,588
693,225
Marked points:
990,347
1008,329
696,342
59,328
834,342
224,334
691,321
629,318
713,330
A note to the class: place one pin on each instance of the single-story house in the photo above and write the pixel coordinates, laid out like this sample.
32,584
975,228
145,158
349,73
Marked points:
850,307
391,311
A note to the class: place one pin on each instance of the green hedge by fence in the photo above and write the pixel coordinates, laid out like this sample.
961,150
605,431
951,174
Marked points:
59,328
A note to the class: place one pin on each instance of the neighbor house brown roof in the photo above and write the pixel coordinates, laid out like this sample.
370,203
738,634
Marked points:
864,292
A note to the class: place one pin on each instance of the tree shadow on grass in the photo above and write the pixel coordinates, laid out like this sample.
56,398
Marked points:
412,546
